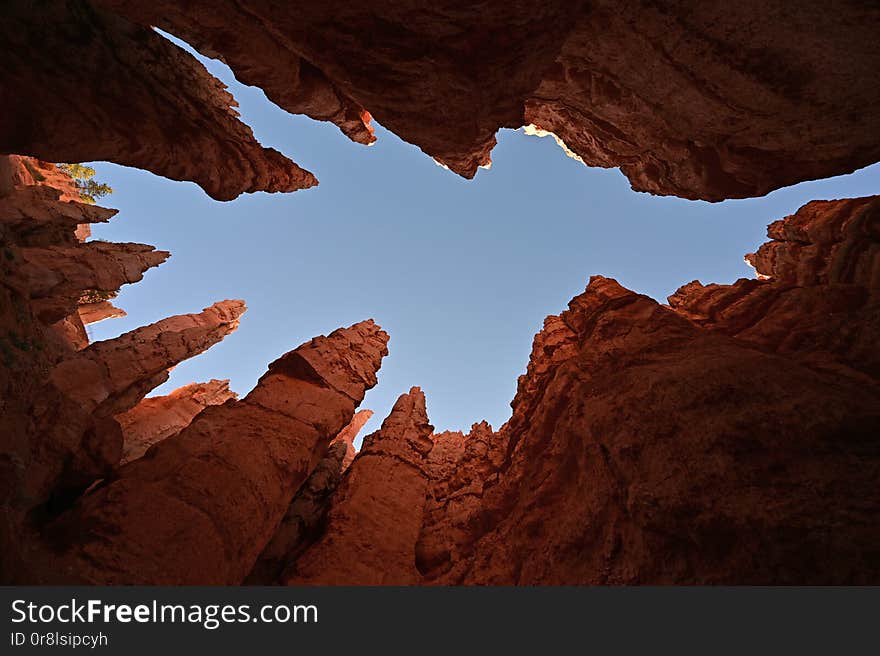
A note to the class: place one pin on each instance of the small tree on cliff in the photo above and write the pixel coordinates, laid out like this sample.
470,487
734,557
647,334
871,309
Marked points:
83,177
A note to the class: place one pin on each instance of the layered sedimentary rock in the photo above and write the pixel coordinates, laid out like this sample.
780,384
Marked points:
376,514
729,437
817,288
158,417
202,504
55,277
133,97
51,446
302,523
461,468
17,171
697,99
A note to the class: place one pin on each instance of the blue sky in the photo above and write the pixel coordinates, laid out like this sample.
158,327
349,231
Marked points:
460,273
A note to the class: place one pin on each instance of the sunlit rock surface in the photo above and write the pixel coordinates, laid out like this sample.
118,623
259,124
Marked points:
158,417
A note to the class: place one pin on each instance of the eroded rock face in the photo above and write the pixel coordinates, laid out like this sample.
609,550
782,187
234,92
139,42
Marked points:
620,473
112,376
200,507
133,98
94,312
374,520
462,467
700,100
158,417
50,444
651,444
304,519
56,277
818,290
729,437
58,393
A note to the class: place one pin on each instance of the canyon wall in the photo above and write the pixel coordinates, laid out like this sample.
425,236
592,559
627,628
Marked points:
697,99
729,436
83,447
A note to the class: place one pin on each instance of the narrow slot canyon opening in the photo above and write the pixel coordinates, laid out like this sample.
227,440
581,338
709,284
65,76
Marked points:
640,351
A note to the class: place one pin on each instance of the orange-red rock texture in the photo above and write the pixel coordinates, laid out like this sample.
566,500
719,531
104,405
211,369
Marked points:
706,100
730,436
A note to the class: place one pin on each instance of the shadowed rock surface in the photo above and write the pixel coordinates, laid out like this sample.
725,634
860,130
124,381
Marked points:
730,437
374,519
619,473
695,99
132,97
303,522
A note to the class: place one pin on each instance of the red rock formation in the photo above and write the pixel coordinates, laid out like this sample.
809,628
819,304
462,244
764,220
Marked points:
302,522
730,437
348,434
55,277
94,312
55,442
374,522
701,100
461,468
33,216
819,291
133,98
620,473
17,171
112,376
200,507
158,417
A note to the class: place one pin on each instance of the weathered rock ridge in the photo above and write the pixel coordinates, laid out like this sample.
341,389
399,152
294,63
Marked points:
729,437
201,505
696,99
58,393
